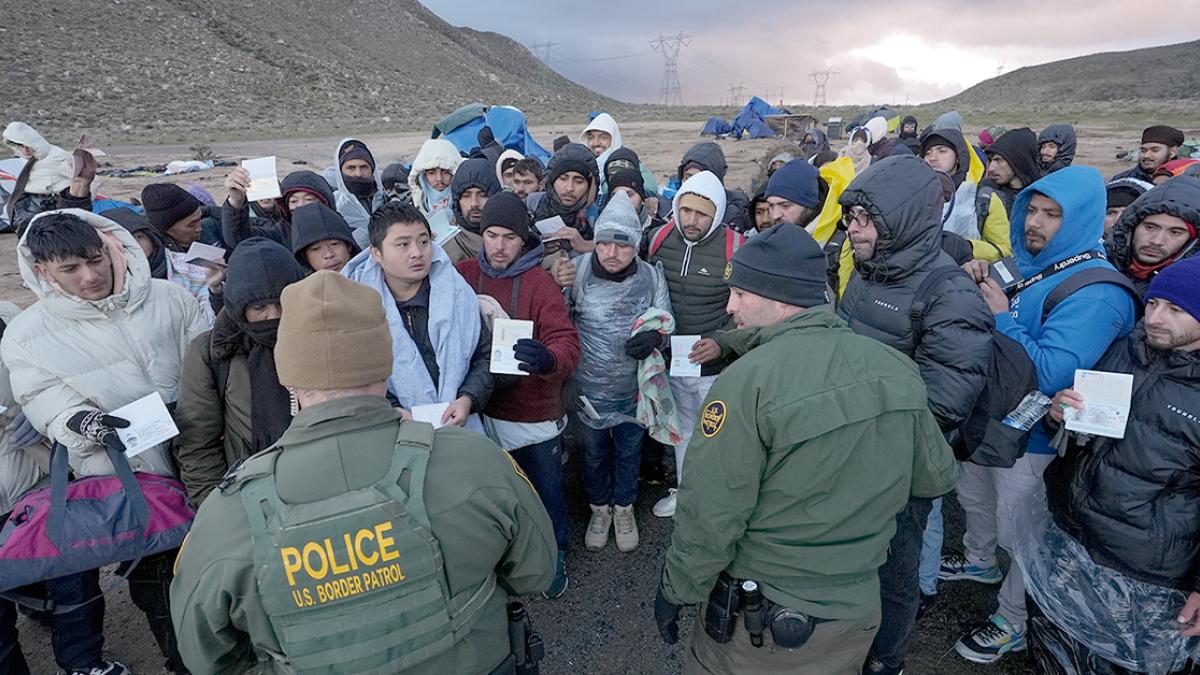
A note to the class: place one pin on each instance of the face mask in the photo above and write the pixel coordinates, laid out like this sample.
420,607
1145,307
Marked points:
360,187
434,199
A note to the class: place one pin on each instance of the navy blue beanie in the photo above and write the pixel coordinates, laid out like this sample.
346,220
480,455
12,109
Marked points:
784,263
1179,283
796,182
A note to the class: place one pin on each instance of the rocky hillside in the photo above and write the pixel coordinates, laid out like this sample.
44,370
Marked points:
171,68
1167,74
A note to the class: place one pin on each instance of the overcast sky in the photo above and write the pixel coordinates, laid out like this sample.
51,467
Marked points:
883,52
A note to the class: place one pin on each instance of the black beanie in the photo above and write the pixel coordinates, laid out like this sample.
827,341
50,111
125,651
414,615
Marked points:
259,270
167,204
393,174
507,210
784,263
355,150
627,178
1162,134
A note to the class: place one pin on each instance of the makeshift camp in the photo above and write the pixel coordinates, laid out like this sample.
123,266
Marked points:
508,125
750,123
791,127
715,126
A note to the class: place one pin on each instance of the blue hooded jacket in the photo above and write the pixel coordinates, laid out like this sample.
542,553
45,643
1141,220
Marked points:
1081,327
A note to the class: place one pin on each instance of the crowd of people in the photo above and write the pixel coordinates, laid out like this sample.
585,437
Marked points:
867,332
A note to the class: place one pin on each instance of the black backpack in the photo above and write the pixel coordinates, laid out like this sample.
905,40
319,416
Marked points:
984,438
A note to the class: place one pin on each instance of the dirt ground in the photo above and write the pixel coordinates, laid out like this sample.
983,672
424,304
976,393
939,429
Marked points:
604,623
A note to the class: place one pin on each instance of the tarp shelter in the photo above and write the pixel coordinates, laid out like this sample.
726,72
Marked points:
791,127
892,117
715,126
508,125
750,123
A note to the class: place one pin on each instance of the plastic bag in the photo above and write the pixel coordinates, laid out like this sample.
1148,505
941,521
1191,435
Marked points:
1128,622
604,313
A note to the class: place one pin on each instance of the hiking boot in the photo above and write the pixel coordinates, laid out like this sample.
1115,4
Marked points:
956,566
600,523
990,641
926,604
107,668
665,508
626,527
559,586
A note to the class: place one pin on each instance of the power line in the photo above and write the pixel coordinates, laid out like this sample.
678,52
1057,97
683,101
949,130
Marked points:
670,93
542,49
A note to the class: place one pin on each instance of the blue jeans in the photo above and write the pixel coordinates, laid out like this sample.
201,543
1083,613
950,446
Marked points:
611,459
542,463
898,590
931,549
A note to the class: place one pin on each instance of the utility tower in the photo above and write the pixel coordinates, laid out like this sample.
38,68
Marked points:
670,45
820,78
735,94
542,49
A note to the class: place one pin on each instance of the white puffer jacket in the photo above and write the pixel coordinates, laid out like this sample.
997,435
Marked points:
66,354
51,172
20,469
435,153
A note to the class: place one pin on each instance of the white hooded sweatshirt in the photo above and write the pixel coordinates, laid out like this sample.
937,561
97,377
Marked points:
435,153
51,172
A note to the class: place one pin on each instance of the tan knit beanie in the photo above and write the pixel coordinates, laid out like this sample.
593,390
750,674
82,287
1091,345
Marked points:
333,335
698,202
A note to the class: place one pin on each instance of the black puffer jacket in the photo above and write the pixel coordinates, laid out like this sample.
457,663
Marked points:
1134,503
1179,197
904,199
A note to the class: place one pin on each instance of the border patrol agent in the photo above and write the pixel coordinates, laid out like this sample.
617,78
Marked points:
358,543
794,477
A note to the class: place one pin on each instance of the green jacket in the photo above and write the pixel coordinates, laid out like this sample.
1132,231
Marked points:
482,511
807,448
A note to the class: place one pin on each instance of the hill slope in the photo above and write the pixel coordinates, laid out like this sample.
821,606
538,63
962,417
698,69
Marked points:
175,67
1167,73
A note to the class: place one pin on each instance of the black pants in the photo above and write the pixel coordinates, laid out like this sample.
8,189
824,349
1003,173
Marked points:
150,591
899,591
78,636
1053,650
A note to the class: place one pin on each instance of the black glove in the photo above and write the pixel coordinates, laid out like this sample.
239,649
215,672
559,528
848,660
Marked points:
99,428
534,356
666,615
643,344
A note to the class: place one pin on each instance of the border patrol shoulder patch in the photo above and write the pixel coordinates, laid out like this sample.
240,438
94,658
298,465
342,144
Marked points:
712,420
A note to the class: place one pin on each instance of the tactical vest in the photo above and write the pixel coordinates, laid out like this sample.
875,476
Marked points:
356,582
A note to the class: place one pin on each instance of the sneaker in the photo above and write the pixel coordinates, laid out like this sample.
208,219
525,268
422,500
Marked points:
990,641
600,523
107,668
559,586
956,566
626,526
665,508
927,602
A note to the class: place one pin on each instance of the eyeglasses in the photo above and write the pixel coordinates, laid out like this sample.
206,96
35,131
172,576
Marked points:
856,214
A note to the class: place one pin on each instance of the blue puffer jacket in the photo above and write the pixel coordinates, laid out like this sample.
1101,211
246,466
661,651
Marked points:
1080,329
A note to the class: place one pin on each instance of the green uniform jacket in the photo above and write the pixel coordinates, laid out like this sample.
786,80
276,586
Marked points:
807,448
485,515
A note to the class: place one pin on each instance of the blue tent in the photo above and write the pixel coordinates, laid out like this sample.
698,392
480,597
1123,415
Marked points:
508,125
715,126
749,122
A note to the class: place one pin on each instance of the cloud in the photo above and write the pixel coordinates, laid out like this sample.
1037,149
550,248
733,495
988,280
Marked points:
884,51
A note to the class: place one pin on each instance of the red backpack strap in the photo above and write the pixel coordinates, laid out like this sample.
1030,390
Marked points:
733,241
660,237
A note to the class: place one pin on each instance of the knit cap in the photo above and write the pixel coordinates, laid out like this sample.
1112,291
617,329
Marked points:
333,335
619,222
167,204
784,263
1179,284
